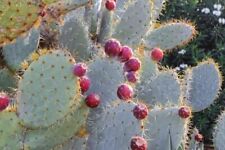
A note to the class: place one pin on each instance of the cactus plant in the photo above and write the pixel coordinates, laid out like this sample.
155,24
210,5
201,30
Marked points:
51,110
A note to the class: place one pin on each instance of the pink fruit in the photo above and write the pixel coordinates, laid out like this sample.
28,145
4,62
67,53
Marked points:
132,64
80,69
92,100
84,84
140,111
138,143
110,5
156,54
4,102
125,54
184,112
125,92
112,47
132,76
198,137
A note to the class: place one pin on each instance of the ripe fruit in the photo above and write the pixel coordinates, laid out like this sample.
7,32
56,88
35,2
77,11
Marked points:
125,54
92,100
198,137
125,92
80,69
132,76
184,112
132,64
112,47
110,5
4,102
156,54
84,84
140,111
138,143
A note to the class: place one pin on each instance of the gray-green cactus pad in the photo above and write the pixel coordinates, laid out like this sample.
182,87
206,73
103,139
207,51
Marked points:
74,37
62,131
134,23
48,90
219,133
11,133
163,89
7,80
203,85
165,128
15,53
169,36
114,129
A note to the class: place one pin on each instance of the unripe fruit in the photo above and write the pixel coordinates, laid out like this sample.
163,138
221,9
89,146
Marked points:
138,143
125,54
80,69
198,137
92,100
184,112
140,111
112,47
110,5
132,64
84,84
4,102
156,54
132,77
125,92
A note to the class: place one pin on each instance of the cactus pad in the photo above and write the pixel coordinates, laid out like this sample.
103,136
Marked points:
114,127
165,126
58,133
48,90
17,17
170,36
219,137
134,23
15,53
7,80
11,133
201,94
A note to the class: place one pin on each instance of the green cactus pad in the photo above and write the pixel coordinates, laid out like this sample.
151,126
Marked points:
15,53
62,131
50,1
47,91
163,89
134,23
74,143
114,129
201,94
169,36
219,137
165,126
11,134
74,37
17,17
106,75
7,80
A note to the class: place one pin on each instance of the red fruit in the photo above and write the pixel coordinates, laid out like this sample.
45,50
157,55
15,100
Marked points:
125,92
198,137
156,54
132,64
140,111
132,76
4,102
138,143
80,69
110,5
112,47
184,112
125,54
84,84
92,100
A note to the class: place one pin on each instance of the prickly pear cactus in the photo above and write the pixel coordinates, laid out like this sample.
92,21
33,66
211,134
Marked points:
98,86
